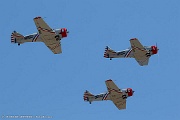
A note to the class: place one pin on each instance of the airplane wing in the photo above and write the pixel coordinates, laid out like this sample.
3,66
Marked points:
116,95
143,62
48,35
139,52
55,47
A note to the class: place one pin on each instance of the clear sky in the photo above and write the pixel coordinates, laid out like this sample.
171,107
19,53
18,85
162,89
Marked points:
34,81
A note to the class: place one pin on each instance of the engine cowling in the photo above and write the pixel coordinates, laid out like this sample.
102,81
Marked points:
154,49
130,91
64,32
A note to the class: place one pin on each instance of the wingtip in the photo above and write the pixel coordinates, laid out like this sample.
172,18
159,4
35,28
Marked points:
108,80
133,39
38,17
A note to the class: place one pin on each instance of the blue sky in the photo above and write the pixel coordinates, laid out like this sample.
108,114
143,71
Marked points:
36,82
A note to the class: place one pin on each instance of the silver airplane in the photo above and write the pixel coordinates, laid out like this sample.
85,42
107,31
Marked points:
45,34
116,95
137,50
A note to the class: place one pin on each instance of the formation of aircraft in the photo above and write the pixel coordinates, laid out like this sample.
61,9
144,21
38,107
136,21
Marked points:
116,95
45,34
137,50
52,39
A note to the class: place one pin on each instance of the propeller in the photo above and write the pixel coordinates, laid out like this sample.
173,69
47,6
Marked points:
157,47
157,52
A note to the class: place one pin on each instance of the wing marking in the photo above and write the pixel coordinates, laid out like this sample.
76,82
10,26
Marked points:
139,52
47,35
116,95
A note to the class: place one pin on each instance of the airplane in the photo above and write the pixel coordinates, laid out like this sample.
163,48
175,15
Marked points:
45,34
116,95
137,50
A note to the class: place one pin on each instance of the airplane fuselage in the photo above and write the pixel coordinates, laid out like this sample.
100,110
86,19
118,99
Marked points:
128,53
35,37
106,96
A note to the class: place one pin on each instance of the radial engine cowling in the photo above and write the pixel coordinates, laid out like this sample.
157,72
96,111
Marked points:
154,49
130,91
63,32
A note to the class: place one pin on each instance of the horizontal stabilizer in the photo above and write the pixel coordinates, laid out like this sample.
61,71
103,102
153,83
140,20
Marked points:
88,96
108,52
16,36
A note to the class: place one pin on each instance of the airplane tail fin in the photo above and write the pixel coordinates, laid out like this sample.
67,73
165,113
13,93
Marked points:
108,52
15,37
88,96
